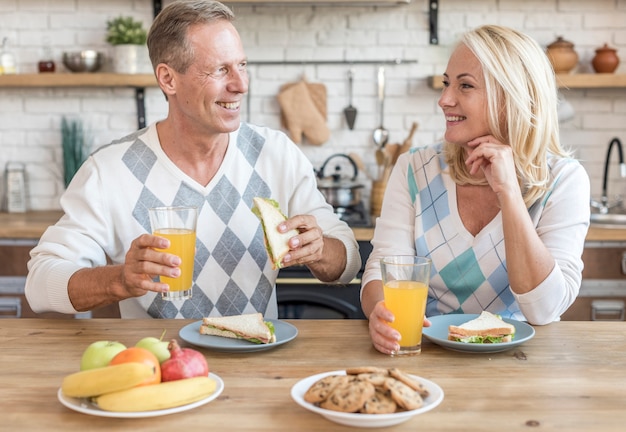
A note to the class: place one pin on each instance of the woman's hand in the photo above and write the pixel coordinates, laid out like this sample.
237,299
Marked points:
385,339
495,159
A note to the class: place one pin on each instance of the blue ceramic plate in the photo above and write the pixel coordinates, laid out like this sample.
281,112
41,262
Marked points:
284,331
438,333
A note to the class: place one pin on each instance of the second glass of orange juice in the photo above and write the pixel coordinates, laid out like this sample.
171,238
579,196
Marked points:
405,285
178,225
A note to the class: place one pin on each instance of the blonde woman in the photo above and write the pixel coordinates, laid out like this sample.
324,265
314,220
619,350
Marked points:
500,206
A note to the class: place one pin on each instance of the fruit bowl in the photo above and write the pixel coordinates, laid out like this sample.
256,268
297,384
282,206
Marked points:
83,61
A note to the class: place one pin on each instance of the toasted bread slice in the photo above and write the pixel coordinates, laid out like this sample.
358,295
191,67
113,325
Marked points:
270,215
250,327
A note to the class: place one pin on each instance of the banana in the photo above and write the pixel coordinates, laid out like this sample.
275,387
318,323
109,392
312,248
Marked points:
165,395
94,382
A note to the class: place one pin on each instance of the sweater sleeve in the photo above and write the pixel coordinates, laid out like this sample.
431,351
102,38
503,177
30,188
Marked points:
562,226
69,245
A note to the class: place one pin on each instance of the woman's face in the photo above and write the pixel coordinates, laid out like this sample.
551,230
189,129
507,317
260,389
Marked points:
464,98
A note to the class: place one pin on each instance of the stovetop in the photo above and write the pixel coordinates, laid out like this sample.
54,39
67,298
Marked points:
355,216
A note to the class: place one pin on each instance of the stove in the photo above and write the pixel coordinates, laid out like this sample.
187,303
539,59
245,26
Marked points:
355,216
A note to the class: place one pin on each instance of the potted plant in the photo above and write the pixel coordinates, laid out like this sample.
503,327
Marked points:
128,37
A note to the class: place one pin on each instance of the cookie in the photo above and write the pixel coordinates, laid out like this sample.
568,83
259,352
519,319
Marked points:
380,403
320,390
376,378
403,395
365,369
349,397
409,380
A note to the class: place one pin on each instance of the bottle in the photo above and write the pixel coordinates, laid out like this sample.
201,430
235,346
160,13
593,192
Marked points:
7,59
46,64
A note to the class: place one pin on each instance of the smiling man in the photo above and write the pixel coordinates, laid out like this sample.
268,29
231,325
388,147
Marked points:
201,155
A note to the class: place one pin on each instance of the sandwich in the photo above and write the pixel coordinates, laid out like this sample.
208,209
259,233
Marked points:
250,327
487,328
268,211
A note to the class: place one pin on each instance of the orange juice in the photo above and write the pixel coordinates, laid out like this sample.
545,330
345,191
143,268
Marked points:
183,245
407,301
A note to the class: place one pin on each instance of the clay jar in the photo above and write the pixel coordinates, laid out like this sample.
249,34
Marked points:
562,55
606,60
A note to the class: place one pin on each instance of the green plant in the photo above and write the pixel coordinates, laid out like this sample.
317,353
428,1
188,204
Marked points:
125,30
75,150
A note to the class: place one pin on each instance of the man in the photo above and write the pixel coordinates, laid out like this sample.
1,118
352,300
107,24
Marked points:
100,251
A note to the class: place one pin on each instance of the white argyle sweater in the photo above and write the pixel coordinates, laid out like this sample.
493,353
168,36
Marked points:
106,208
469,273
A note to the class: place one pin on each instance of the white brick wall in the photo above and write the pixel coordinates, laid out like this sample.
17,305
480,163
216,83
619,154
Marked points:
30,118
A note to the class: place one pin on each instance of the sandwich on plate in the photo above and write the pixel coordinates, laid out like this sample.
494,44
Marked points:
268,211
486,328
250,327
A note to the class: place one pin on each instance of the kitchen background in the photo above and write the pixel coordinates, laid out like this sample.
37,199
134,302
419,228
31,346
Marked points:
30,118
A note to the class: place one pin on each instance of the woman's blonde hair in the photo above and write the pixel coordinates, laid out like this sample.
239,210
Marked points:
522,103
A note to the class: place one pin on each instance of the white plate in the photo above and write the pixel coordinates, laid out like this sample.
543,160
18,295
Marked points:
85,406
284,331
438,333
365,420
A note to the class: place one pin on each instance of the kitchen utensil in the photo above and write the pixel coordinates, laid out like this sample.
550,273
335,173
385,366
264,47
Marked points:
360,165
350,111
83,61
339,191
408,142
381,135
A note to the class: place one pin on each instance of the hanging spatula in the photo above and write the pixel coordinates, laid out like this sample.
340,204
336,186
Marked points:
350,111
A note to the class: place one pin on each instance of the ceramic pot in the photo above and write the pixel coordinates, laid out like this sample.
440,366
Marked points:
606,60
562,55
131,59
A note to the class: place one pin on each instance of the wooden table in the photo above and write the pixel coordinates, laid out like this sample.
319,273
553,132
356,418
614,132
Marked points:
570,377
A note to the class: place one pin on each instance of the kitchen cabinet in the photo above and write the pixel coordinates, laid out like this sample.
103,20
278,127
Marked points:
602,295
567,81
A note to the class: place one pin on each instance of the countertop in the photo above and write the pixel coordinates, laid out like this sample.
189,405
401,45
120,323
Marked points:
569,377
31,225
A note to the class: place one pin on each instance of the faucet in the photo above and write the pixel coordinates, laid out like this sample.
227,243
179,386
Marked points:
604,205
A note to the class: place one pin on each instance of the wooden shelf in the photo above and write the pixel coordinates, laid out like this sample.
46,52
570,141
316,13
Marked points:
567,81
78,80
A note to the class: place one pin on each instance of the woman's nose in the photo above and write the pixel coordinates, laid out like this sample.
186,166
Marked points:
446,98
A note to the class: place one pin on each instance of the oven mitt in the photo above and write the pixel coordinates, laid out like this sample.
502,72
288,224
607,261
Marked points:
300,112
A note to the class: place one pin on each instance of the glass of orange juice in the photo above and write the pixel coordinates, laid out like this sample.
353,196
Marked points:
405,285
178,225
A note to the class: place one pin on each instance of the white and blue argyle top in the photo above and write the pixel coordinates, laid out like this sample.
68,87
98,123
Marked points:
469,273
106,208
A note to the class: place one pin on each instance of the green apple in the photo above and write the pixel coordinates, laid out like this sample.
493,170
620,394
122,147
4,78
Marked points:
99,354
158,347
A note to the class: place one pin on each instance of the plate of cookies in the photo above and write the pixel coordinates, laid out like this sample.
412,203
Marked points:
367,397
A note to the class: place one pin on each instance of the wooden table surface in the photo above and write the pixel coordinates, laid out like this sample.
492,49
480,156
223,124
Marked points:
31,225
570,377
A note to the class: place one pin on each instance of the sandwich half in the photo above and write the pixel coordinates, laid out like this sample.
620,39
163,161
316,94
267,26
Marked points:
486,328
250,327
268,211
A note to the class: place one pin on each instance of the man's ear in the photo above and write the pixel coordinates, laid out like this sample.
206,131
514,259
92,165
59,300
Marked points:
166,79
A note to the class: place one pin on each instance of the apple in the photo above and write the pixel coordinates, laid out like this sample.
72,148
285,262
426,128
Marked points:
99,354
158,347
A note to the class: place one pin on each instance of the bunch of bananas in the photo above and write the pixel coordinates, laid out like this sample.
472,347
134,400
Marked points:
117,388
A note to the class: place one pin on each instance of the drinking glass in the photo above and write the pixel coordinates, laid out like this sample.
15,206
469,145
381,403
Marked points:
405,285
178,225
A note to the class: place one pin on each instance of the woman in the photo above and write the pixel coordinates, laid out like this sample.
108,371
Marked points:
500,207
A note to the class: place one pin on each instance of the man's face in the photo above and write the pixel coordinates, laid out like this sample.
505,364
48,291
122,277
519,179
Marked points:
210,92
